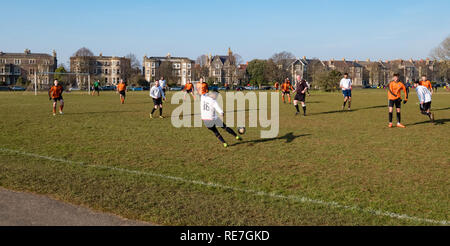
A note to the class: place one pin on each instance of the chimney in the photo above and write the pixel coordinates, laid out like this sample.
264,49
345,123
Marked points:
368,59
356,61
304,58
411,60
54,53
101,54
343,59
27,51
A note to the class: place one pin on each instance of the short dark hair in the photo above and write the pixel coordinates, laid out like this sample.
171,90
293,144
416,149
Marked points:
396,75
416,82
346,74
424,75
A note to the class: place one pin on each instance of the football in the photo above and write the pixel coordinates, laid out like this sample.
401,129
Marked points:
241,130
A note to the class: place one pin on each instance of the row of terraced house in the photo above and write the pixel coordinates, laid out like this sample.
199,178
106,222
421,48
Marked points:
221,68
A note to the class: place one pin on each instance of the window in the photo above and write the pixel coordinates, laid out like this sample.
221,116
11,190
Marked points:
31,71
118,71
148,71
32,61
189,65
184,65
106,79
184,72
114,80
118,63
189,73
147,64
153,65
106,71
17,61
153,72
217,66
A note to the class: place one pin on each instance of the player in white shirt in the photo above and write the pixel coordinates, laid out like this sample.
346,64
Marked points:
346,86
210,111
424,96
157,93
162,83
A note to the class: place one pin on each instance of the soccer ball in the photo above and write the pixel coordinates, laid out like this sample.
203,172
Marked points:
241,130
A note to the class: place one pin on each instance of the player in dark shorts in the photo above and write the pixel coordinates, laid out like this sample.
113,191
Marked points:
96,88
394,97
122,88
157,94
55,94
300,89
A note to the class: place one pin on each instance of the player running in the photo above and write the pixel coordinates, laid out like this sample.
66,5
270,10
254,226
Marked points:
286,88
300,89
122,88
346,86
425,100
394,97
157,93
55,94
425,82
209,110
189,89
96,88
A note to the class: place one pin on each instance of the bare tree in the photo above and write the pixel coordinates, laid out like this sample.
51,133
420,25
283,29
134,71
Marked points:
442,52
83,52
283,59
237,59
134,62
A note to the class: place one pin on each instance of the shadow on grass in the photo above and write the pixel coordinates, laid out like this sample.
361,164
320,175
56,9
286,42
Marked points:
104,112
439,109
436,122
289,137
347,111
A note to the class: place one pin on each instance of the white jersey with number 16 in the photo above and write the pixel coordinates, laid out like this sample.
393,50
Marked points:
208,107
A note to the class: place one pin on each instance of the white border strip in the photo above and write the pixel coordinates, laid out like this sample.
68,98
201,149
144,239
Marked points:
253,192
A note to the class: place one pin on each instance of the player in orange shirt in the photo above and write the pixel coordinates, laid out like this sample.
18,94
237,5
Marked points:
55,94
425,82
202,87
286,88
122,88
277,85
189,88
394,96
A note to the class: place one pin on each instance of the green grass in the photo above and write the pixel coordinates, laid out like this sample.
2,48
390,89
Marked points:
351,158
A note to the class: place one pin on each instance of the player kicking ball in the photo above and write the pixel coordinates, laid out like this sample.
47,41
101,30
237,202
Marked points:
425,100
209,110
394,96
157,93
55,94
300,89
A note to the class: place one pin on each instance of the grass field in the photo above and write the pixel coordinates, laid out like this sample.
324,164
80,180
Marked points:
329,168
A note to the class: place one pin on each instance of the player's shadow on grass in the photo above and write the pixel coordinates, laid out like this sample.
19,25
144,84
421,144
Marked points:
439,109
105,112
346,111
289,137
436,122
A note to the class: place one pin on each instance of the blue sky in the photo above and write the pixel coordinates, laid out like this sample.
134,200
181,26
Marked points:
254,29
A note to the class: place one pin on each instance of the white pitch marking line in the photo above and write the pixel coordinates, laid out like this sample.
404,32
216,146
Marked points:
253,192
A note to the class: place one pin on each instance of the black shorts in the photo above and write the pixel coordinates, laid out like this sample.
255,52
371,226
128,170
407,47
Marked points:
122,93
157,101
57,99
96,89
425,107
396,102
300,97
189,91
286,92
